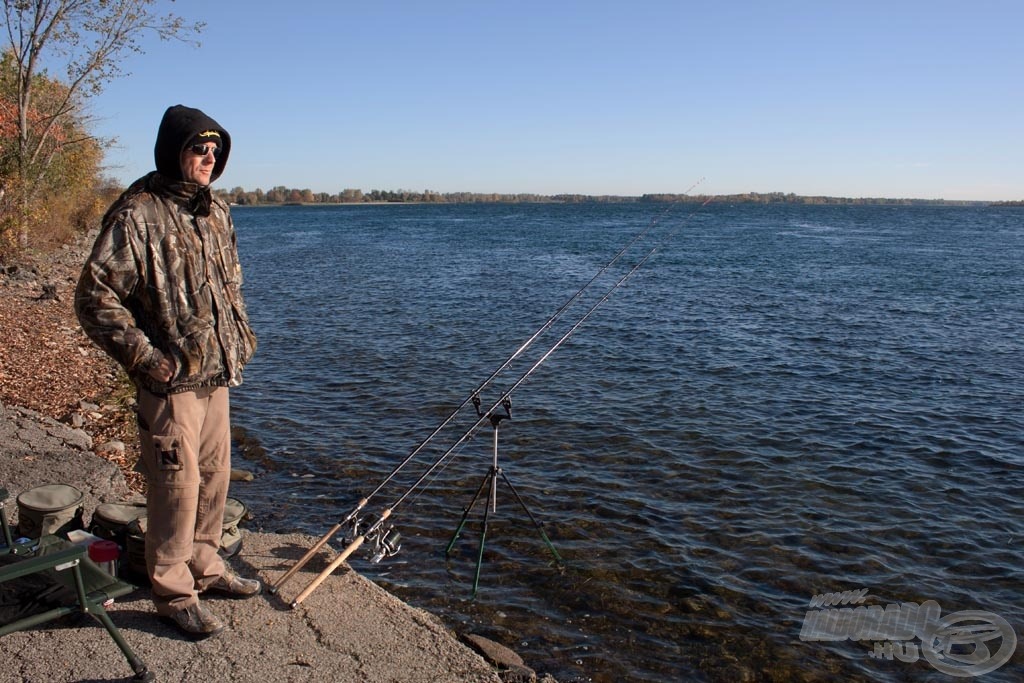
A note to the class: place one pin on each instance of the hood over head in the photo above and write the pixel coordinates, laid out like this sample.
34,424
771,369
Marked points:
178,127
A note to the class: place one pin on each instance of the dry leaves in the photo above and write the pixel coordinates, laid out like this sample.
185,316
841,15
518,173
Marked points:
47,364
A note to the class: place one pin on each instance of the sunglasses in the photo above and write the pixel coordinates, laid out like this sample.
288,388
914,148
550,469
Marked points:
203,150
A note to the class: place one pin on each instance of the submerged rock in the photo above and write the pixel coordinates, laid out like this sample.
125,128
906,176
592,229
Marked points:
242,475
495,653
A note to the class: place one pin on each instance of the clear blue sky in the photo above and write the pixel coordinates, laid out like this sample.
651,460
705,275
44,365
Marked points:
901,98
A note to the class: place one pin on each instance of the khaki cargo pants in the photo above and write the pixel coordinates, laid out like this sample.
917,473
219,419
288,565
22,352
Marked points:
186,458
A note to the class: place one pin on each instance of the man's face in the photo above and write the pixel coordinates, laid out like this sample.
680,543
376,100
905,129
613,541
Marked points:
197,162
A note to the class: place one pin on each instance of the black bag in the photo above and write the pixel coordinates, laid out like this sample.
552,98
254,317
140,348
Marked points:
123,523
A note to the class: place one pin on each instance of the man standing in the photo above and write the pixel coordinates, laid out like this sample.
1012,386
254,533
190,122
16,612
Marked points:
161,294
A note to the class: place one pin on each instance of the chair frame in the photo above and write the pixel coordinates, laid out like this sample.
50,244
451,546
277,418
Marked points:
91,603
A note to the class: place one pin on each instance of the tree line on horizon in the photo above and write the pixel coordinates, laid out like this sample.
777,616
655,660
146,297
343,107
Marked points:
281,195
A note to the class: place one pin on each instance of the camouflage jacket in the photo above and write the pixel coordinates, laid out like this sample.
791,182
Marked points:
164,279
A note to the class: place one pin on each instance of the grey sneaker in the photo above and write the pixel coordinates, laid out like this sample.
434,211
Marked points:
197,620
230,583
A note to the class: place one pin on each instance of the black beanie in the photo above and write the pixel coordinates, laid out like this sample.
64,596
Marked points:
178,127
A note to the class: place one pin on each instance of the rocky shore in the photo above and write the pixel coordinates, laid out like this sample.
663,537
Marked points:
66,417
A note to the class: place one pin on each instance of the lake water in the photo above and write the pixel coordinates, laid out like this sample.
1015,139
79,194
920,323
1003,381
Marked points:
782,402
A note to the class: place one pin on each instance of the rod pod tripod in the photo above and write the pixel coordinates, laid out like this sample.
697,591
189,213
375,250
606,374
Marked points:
490,481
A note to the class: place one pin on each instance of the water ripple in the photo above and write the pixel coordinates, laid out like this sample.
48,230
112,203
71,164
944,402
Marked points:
786,401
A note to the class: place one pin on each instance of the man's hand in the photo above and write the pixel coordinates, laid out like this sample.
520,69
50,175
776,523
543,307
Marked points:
164,370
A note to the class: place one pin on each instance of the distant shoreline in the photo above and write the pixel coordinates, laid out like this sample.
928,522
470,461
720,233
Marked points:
249,199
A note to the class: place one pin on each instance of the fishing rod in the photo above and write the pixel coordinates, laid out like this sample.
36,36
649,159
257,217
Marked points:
484,415
386,541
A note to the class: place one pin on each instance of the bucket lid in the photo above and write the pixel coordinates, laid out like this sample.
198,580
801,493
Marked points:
50,497
119,513
103,551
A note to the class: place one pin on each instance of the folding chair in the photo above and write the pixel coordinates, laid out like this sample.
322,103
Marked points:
63,562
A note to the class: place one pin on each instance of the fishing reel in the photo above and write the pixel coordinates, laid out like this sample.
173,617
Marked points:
386,543
383,542
354,528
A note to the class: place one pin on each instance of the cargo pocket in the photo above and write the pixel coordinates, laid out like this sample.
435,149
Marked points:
167,452
163,460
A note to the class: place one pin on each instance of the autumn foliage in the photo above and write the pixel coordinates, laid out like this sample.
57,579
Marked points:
49,175
49,162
